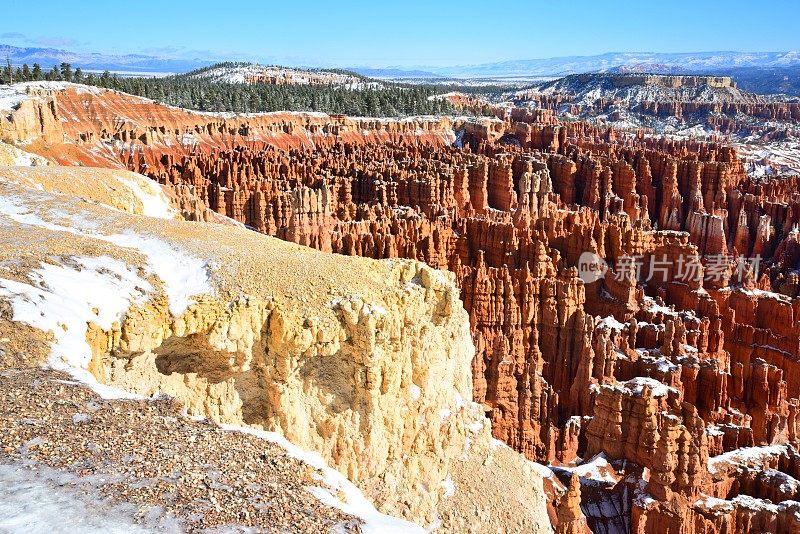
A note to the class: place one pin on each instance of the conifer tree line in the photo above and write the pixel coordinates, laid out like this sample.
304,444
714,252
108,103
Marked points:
35,73
202,94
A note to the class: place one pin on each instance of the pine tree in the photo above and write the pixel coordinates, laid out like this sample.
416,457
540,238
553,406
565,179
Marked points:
37,72
66,72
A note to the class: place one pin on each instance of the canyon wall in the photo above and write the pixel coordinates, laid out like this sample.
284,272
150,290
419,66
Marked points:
79,125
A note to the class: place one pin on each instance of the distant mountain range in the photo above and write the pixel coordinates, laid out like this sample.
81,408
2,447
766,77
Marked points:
699,62
130,63
674,63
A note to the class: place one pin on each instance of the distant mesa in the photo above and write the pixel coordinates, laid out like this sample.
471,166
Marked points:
659,80
253,73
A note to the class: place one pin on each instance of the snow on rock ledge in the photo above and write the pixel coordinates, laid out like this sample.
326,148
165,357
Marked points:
365,362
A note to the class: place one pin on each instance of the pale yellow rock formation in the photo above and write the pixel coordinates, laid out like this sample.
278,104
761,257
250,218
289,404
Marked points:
366,362
11,155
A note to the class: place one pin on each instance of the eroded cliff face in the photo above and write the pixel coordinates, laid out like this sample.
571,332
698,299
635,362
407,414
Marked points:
634,388
379,391
78,125
366,362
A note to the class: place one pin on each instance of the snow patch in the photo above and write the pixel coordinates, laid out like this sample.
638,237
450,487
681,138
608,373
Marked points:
595,471
542,470
63,298
746,456
662,364
611,322
449,486
11,97
786,483
713,505
183,276
752,503
637,385
44,501
154,202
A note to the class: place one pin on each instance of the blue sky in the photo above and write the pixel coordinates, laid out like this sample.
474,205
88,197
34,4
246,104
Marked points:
399,33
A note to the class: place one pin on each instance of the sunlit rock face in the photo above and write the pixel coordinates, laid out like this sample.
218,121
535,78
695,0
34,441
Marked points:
366,362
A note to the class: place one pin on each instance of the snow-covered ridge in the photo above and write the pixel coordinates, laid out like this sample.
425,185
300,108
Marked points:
11,96
275,75
684,61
